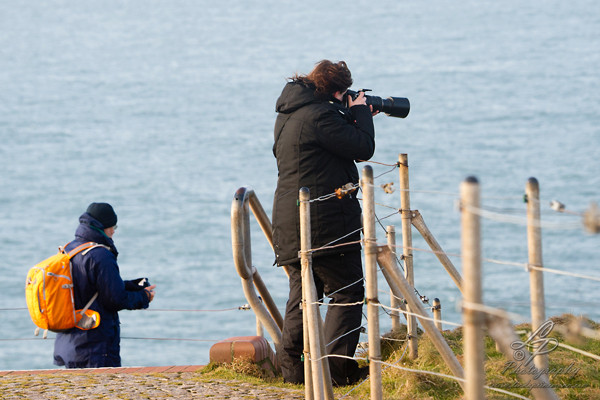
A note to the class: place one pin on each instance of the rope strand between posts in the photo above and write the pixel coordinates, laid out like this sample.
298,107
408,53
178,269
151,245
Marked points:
419,371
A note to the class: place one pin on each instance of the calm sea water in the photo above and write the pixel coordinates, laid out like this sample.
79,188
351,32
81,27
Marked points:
164,109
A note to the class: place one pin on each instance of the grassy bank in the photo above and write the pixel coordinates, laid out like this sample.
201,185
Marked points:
572,375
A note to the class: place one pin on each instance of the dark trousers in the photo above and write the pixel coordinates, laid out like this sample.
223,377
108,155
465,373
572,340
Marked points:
331,273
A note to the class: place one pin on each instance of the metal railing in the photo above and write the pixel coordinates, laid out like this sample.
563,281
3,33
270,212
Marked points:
262,303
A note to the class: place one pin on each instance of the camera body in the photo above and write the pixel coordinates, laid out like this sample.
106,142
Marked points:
398,107
141,283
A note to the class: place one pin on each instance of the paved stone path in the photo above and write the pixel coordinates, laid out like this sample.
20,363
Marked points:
132,383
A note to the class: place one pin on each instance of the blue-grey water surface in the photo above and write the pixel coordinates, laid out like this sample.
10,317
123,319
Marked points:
164,109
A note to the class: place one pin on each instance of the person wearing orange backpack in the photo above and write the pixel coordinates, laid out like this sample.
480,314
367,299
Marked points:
96,272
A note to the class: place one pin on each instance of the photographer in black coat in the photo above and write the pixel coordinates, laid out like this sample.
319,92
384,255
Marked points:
317,140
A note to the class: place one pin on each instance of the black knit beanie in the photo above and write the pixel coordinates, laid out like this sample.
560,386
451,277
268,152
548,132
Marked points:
104,213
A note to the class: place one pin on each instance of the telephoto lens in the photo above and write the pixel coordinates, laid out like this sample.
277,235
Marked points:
398,107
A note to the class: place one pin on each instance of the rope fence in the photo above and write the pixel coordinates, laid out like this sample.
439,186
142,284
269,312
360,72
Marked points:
416,371
484,213
512,216
506,215
242,308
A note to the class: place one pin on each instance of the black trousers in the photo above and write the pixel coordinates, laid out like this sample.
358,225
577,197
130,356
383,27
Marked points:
331,273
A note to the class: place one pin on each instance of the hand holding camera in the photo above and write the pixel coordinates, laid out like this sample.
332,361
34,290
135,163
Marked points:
392,106
141,284
361,99
150,292
145,284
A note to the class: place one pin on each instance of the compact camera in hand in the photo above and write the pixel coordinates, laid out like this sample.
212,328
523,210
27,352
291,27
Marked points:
137,284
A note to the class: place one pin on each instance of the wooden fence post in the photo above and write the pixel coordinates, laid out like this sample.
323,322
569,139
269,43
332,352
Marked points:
401,287
473,319
326,373
501,330
309,305
419,223
395,302
411,321
308,382
536,278
437,313
370,246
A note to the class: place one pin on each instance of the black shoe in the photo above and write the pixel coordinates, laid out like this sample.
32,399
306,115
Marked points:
361,374
294,381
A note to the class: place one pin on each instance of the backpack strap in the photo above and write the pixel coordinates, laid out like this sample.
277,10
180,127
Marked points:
81,248
87,247
94,246
89,304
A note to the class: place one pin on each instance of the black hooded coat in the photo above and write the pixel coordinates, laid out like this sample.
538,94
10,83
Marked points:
316,145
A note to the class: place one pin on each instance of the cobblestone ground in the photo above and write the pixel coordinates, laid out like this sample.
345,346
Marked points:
178,385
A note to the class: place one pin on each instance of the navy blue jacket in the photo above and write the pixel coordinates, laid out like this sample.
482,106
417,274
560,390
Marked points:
97,271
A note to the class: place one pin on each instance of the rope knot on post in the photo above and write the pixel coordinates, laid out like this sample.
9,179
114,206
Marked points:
370,245
346,189
374,301
407,213
304,252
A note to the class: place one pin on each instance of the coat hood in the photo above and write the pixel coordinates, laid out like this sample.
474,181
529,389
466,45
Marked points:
294,96
91,230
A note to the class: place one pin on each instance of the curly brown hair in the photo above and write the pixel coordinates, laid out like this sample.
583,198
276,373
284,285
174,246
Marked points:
327,78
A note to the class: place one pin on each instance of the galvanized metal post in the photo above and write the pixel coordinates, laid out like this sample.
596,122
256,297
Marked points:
473,319
536,278
371,282
259,326
242,256
407,254
310,306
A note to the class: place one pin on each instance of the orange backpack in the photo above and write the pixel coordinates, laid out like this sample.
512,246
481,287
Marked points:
49,294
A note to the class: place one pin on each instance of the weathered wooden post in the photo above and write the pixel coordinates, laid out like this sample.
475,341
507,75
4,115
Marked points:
501,330
326,373
437,313
395,302
411,321
419,223
536,278
308,383
473,319
401,287
310,292
371,282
